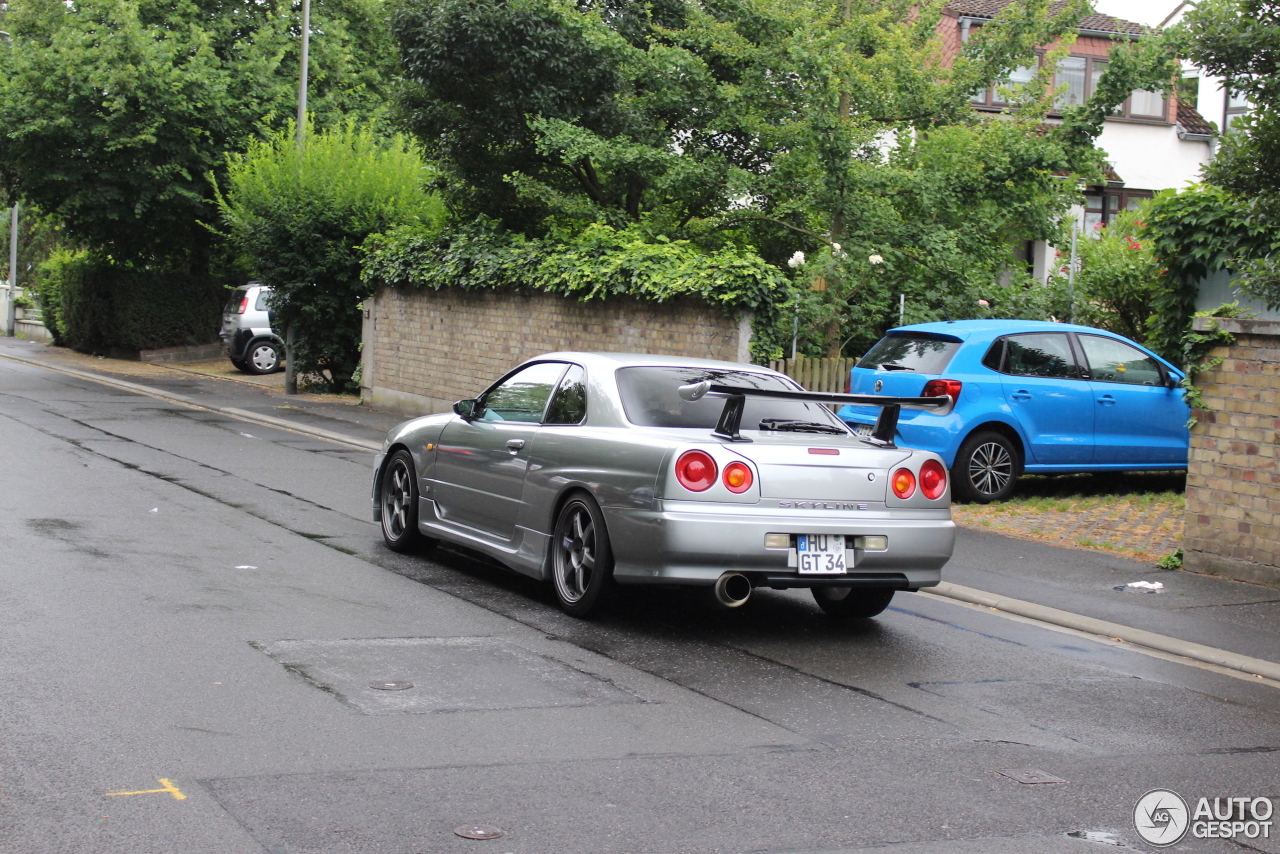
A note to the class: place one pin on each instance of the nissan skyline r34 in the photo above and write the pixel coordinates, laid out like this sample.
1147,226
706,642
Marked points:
596,470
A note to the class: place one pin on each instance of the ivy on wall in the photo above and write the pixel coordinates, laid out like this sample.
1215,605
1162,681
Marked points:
598,262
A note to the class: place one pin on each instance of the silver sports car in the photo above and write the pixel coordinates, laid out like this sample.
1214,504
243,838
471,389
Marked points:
596,469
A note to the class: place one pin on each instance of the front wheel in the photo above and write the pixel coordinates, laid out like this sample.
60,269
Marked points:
850,602
581,560
398,497
986,468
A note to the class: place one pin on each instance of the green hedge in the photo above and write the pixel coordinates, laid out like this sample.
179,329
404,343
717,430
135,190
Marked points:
96,306
597,263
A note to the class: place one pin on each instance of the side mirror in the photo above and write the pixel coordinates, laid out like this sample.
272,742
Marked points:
465,409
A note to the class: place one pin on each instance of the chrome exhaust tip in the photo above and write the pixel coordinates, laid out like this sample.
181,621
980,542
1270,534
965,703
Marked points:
732,590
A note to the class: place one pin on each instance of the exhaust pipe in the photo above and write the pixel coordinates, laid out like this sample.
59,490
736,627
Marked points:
732,590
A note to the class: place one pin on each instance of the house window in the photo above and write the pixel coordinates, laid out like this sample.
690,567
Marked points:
993,97
1081,75
1189,92
1101,206
1236,106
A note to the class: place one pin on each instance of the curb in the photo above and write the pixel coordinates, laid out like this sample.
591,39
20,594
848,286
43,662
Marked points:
1089,625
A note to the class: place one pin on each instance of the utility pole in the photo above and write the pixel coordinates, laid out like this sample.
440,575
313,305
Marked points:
290,373
9,320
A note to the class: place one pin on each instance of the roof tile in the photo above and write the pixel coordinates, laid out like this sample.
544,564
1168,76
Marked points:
1099,23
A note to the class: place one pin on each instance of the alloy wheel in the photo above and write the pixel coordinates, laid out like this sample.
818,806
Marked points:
575,559
990,468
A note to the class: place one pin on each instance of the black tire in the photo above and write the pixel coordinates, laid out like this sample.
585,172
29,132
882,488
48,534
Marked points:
850,602
262,357
581,559
986,468
240,366
398,498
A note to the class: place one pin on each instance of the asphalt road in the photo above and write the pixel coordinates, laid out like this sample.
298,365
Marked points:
193,610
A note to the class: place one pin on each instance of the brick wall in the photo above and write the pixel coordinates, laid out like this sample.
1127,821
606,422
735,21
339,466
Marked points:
1233,476
423,351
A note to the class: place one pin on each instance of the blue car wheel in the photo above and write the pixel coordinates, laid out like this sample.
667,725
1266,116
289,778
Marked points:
986,468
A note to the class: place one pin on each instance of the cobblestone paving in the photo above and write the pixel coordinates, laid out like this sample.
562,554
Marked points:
1138,516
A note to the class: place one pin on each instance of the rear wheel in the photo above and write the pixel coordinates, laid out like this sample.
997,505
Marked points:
263,357
850,602
398,497
986,468
581,560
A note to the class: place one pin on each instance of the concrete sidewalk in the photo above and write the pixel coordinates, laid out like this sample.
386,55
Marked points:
1194,611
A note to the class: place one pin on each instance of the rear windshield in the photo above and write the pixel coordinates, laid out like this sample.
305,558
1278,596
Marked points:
651,398
918,352
233,304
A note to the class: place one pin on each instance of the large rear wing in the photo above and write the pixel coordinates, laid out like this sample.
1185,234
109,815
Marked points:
729,426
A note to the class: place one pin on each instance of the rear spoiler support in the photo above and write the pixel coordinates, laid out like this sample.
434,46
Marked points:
730,424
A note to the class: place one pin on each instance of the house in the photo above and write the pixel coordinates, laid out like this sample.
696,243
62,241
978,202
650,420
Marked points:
1155,141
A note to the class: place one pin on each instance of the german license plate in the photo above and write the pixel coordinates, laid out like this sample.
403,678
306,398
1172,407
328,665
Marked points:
820,554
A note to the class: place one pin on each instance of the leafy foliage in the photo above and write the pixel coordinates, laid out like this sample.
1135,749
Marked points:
1239,40
1118,278
299,216
1192,234
116,112
97,305
1196,346
832,128
599,262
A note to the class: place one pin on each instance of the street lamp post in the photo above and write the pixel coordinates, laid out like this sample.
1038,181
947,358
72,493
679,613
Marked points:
290,375
9,320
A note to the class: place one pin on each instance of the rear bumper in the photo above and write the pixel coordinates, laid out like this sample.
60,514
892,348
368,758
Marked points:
693,543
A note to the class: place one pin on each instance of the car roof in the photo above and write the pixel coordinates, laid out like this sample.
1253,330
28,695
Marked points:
627,360
993,328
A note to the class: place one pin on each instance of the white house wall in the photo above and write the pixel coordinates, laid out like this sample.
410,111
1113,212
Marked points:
1152,157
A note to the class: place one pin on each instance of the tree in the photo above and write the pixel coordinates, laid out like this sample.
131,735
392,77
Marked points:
115,112
1239,40
299,217
833,127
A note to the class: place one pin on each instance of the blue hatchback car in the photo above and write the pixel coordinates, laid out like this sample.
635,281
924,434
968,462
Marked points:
1031,396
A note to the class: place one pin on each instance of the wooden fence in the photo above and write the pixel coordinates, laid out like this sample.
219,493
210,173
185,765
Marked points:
830,375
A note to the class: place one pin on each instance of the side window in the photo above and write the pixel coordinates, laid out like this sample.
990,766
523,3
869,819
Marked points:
569,405
995,356
1112,361
261,304
1046,354
523,395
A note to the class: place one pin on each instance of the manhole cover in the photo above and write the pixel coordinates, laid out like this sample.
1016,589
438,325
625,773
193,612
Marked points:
1030,775
477,831
390,686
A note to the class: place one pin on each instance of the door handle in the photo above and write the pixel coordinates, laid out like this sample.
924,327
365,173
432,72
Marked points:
514,445
1107,400
1021,395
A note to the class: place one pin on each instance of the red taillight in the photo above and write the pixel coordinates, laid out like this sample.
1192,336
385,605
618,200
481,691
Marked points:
904,483
244,304
937,388
737,477
696,471
933,479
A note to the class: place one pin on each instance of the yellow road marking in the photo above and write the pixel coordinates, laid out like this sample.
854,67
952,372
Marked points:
168,787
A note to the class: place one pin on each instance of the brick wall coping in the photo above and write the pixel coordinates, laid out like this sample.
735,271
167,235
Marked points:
1236,325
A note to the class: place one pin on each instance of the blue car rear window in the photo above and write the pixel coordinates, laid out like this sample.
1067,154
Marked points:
918,352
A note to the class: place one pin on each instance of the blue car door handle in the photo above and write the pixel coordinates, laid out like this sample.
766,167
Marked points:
514,445
1107,400
1021,394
